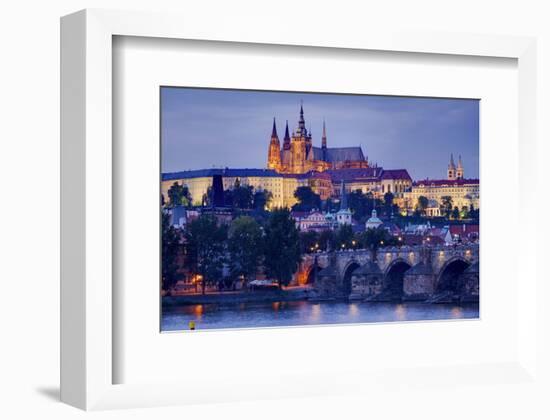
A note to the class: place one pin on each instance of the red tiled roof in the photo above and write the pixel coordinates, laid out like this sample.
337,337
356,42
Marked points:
442,182
464,230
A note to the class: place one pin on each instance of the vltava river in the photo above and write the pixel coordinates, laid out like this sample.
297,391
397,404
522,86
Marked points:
282,314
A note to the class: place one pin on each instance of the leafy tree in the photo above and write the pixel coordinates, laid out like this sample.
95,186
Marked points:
240,196
309,242
205,245
245,247
327,240
170,251
307,199
330,205
456,213
261,199
179,195
446,205
375,238
474,213
421,205
281,247
343,237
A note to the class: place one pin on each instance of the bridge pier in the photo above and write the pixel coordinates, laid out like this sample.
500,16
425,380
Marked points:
432,274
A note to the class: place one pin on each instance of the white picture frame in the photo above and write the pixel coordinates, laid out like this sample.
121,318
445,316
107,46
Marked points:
86,187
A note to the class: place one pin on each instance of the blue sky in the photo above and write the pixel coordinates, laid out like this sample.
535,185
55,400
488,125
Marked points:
203,128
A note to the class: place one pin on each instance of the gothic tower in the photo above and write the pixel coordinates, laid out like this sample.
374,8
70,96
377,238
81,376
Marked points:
274,154
299,146
286,148
459,169
451,170
324,142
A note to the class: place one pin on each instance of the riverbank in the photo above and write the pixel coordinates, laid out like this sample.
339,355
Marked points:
286,295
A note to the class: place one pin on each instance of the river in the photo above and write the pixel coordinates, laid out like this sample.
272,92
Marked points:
284,314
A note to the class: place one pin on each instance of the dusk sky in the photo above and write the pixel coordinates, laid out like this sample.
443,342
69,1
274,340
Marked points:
205,128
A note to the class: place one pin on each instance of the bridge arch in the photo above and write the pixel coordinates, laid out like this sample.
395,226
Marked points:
351,266
448,279
394,277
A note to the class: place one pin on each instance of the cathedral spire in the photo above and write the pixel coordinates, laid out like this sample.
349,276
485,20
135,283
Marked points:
324,138
452,163
301,131
274,131
286,141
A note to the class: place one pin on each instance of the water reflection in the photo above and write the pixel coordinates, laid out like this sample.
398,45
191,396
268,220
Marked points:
353,310
456,312
400,312
281,314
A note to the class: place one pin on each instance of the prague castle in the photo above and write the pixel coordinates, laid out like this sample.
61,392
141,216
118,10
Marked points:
299,163
298,155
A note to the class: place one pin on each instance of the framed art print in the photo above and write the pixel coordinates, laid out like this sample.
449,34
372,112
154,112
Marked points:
258,217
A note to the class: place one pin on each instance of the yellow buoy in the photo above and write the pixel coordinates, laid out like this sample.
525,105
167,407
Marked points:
191,325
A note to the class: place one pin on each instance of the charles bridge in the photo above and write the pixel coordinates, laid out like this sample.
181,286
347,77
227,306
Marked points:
421,273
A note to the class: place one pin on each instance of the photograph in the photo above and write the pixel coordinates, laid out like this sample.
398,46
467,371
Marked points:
293,209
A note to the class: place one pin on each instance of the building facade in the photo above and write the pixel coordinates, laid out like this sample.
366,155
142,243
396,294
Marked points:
463,192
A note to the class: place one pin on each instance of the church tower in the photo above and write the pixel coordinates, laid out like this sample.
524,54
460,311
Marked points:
324,142
299,146
286,148
459,169
274,154
451,170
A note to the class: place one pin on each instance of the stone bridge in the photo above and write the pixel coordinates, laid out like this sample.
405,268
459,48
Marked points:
427,273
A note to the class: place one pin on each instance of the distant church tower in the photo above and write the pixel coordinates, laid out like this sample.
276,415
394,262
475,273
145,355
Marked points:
324,142
459,169
451,170
274,154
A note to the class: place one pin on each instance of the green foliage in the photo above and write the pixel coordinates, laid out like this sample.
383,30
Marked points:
343,238
179,195
446,206
205,246
326,240
307,199
455,213
421,205
309,242
361,205
375,238
261,199
281,247
245,247
170,250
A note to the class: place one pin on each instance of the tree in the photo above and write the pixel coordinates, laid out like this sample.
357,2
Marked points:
170,251
309,242
474,213
422,204
245,247
261,199
307,199
179,195
327,240
240,196
456,213
281,247
343,237
446,205
205,245
375,238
